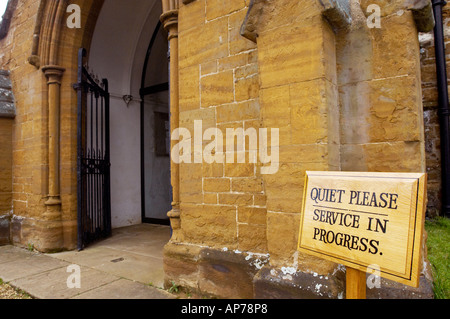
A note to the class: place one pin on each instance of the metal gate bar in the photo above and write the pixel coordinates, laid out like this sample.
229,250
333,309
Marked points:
93,157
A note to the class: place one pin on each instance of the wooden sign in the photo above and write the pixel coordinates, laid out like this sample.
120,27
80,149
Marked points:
365,220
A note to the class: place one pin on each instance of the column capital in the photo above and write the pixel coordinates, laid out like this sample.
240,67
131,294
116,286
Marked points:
169,17
53,73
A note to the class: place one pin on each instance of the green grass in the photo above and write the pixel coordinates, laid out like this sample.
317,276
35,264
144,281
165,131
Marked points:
438,244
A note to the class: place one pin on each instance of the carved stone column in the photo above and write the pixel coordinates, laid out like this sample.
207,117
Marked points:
51,226
53,74
169,18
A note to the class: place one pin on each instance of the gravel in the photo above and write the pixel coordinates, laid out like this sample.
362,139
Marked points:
8,292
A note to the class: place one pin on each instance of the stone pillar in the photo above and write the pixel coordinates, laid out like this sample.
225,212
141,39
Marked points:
169,18
53,74
51,228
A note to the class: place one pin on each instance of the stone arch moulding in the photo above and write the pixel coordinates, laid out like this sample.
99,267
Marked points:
54,50
50,29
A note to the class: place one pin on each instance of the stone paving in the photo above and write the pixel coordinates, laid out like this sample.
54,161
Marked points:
128,265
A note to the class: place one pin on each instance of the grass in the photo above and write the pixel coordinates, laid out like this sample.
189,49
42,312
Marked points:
438,244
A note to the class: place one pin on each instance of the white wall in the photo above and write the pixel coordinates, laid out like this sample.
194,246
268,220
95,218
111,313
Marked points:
118,48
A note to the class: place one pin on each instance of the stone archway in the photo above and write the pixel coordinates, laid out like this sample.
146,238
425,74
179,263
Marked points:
54,51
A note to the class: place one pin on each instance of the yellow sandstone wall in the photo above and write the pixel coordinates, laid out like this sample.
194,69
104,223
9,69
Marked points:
31,220
342,97
5,178
223,205
29,134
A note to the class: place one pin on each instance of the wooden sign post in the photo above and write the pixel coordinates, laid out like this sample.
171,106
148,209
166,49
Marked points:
355,284
364,221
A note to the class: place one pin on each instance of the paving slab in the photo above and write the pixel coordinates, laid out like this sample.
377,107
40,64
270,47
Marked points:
53,284
141,268
10,253
125,289
24,263
128,265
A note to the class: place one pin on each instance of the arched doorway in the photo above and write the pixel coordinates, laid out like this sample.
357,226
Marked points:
155,131
129,48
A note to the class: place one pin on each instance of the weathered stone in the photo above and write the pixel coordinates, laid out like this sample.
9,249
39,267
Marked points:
228,273
4,229
341,99
217,89
181,265
393,290
288,283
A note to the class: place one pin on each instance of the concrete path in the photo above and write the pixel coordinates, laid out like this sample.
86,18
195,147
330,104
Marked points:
128,265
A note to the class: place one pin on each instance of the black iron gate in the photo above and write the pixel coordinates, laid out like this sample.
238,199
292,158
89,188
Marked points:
93,162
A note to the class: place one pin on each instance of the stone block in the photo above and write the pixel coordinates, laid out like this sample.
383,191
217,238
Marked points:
212,170
395,53
290,54
188,118
239,169
283,12
275,107
180,264
189,88
212,225
252,215
237,112
247,185
247,88
383,157
191,16
232,62
210,198
252,238
383,110
216,184
190,183
274,283
215,9
217,89
393,290
228,274
208,67
282,237
5,222
203,43
235,199
284,186
312,106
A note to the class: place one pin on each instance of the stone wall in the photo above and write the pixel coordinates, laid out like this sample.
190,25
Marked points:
223,205
7,114
343,96
29,129
24,54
